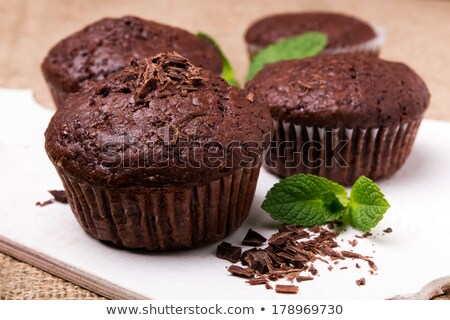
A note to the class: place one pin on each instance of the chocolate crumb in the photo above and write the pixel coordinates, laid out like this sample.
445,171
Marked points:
330,268
59,195
367,234
361,282
358,266
253,238
240,272
45,203
268,286
387,230
344,268
290,289
228,252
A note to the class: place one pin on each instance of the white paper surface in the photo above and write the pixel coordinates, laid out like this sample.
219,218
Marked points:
408,258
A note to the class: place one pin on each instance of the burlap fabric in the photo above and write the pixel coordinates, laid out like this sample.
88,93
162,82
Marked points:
19,280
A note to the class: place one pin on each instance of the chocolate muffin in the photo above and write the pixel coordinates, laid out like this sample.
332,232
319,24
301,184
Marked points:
107,46
341,116
345,33
160,155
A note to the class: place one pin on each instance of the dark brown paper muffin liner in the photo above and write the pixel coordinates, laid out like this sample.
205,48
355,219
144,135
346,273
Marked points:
340,154
163,218
58,95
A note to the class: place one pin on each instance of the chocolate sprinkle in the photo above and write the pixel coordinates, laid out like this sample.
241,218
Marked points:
253,238
228,252
387,230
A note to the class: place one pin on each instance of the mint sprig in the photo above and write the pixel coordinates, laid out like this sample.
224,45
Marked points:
227,70
307,200
367,204
298,47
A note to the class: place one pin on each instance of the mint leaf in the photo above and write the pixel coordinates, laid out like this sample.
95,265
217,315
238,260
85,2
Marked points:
367,204
305,200
298,47
227,69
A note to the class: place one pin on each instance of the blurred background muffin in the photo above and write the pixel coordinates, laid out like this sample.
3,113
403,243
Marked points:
345,33
107,46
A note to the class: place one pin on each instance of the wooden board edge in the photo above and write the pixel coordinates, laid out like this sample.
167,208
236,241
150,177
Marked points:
67,272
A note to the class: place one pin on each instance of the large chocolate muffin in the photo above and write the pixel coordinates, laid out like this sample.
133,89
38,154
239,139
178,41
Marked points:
107,46
159,155
341,116
345,33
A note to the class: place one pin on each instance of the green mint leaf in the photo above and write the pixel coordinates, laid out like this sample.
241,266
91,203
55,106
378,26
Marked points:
227,69
298,47
367,204
306,200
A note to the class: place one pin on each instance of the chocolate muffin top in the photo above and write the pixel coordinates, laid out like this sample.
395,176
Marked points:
341,30
107,45
341,90
159,122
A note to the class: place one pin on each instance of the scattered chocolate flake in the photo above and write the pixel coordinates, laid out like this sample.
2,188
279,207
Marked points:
290,289
352,255
357,266
353,243
304,278
250,97
253,238
367,234
313,270
256,281
372,265
316,229
361,282
228,252
371,272
240,272
45,203
59,195
289,253
387,230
